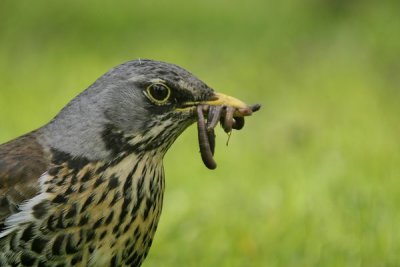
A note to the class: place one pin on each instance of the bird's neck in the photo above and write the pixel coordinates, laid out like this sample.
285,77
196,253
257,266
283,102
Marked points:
103,141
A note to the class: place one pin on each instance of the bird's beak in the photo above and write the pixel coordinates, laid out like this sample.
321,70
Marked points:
219,99
241,108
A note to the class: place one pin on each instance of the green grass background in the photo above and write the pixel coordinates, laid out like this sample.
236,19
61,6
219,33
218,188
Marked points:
312,180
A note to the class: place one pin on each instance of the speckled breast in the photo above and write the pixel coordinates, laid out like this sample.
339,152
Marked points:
89,214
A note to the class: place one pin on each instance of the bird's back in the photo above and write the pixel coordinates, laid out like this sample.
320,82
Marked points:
22,162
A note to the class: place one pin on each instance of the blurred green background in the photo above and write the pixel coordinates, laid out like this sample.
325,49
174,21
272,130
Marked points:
312,180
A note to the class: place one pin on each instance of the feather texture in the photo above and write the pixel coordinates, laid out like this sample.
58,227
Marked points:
22,162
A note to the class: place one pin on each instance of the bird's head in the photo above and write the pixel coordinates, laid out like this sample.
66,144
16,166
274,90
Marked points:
140,105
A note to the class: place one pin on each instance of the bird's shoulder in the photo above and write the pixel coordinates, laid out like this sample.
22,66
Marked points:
22,162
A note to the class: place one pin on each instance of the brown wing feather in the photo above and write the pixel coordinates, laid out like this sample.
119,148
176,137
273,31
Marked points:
22,162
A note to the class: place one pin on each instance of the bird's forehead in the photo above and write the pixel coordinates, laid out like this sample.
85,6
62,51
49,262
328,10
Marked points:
183,80
184,84
143,72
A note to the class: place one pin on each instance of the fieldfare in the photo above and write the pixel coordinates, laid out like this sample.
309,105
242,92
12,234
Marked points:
86,189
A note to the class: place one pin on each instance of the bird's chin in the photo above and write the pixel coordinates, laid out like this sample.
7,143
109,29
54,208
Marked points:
186,114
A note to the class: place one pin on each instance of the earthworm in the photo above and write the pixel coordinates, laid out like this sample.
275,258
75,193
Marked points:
238,123
205,149
214,113
228,120
211,140
229,117
255,107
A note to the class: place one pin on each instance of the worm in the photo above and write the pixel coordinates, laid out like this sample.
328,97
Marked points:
214,113
211,140
255,107
229,118
204,144
238,123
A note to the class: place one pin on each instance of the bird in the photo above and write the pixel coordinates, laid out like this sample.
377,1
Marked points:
86,189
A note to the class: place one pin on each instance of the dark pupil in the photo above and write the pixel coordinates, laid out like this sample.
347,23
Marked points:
158,91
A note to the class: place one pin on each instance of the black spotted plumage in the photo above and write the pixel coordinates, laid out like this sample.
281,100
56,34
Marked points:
87,188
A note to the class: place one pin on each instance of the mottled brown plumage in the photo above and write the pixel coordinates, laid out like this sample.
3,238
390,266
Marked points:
22,161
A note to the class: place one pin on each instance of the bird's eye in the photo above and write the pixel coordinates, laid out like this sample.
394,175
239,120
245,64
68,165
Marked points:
159,93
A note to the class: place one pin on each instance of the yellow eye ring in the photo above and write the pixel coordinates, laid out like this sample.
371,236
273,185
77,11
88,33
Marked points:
158,93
